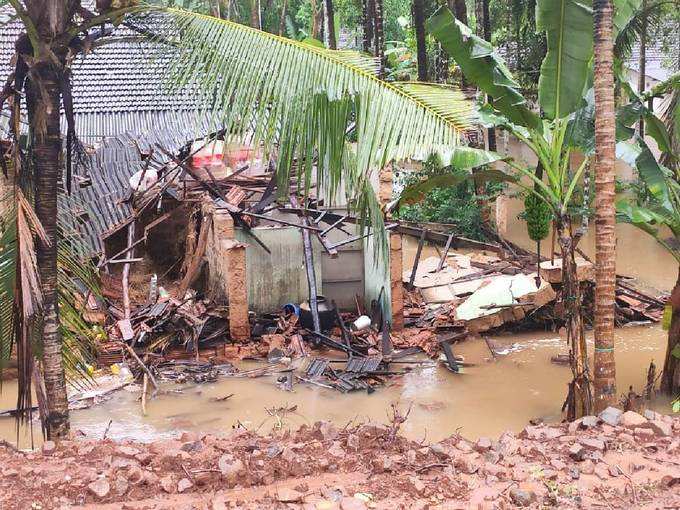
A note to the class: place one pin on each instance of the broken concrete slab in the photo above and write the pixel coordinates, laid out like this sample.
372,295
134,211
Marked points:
504,299
552,270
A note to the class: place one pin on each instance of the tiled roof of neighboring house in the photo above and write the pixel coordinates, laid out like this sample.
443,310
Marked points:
120,101
657,62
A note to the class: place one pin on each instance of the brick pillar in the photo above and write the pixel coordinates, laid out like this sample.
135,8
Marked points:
396,285
385,185
237,290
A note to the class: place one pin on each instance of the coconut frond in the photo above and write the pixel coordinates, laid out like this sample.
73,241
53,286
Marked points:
302,98
20,295
640,21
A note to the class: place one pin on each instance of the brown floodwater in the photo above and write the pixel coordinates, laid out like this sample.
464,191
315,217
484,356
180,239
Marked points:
485,400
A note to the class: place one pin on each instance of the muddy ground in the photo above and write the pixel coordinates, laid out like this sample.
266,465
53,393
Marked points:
587,464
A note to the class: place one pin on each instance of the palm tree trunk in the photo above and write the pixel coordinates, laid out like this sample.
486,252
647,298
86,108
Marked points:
486,23
418,12
368,13
642,64
670,380
605,210
379,35
255,14
282,21
330,24
43,104
579,398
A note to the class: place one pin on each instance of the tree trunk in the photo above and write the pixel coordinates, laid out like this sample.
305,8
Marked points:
605,210
44,121
330,25
379,36
486,33
642,64
670,379
418,12
368,14
579,398
255,14
282,21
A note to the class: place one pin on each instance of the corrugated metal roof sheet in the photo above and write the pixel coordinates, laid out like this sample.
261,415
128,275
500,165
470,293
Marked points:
120,97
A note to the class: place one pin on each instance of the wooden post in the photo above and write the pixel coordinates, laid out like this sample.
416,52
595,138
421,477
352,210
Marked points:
396,285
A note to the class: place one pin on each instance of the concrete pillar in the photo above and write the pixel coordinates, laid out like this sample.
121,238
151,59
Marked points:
237,290
396,285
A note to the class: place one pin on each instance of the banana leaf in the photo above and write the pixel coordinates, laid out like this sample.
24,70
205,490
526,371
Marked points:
568,25
482,66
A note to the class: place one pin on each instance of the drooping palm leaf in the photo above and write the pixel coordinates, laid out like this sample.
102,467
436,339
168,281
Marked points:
303,97
481,65
568,25
631,21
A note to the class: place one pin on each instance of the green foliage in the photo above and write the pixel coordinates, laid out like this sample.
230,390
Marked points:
538,217
445,194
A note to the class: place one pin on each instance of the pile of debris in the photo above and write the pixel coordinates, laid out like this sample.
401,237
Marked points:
480,292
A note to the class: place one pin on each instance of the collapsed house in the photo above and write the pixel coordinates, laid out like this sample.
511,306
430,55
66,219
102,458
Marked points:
202,255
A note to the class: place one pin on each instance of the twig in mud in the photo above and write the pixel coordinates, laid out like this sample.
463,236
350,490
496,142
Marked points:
662,460
604,496
430,466
189,475
145,386
106,430
221,399
141,364
632,484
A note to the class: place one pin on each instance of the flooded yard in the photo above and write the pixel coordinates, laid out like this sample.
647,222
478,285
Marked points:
484,400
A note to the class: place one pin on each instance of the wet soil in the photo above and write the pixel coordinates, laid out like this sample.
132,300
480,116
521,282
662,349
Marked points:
587,464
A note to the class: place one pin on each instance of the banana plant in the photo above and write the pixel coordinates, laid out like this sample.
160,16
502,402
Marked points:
657,212
561,136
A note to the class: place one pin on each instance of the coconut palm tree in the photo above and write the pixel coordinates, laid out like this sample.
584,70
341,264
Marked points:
604,381
566,125
418,14
301,99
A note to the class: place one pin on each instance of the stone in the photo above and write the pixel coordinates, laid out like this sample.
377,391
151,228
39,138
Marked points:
352,504
144,458
614,471
587,467
660,428
128,451
285,495
651,415
588,422
466,464
120,485
49,447
643,433
521,497
168,484
231,469
135,475
577,452
100,488
593,444
574,473
483,444
611,416
495,470
184,484
519,474
328,431
602,471
558,464
417,484
439,449
631,419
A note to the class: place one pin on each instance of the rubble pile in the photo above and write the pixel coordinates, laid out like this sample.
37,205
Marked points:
614,460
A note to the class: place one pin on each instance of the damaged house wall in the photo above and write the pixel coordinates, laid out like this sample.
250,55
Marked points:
276,279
